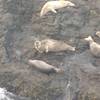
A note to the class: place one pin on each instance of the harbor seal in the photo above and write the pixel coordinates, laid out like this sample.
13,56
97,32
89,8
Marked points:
44,67
94,47
51,45
53,5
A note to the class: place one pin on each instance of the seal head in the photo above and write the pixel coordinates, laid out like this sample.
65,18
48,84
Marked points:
94,47
97,33
89,39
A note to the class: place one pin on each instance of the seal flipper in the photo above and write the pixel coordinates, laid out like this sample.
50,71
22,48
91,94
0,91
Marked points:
53,10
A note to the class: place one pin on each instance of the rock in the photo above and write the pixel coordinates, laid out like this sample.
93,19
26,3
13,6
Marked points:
21,25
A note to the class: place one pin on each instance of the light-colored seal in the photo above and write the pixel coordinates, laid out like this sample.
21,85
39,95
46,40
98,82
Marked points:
51,45
44,67
53,5
94,47
97,34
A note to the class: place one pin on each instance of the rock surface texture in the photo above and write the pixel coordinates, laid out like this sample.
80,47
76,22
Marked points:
20,26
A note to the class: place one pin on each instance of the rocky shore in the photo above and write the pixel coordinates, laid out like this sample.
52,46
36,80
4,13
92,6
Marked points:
21,25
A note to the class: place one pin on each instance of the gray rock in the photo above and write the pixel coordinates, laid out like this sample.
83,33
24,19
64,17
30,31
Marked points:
20,26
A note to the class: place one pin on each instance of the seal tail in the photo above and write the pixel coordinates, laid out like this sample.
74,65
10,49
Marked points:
58,70
71,48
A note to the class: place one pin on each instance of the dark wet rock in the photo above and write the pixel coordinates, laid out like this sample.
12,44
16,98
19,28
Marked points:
82,76
20,26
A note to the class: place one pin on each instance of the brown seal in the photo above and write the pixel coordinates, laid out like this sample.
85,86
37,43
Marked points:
44,67
94,47
53,5
51,45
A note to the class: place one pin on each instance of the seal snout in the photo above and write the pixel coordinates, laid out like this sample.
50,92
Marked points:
70,4
86,39
58,70
31,61
89,38
73,48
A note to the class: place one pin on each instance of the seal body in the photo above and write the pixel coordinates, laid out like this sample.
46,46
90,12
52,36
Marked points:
52,5
44,67
94,47
51,45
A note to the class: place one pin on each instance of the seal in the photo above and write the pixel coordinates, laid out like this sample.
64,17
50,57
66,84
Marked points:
45,67
51,45
94,47
97,34
53,5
